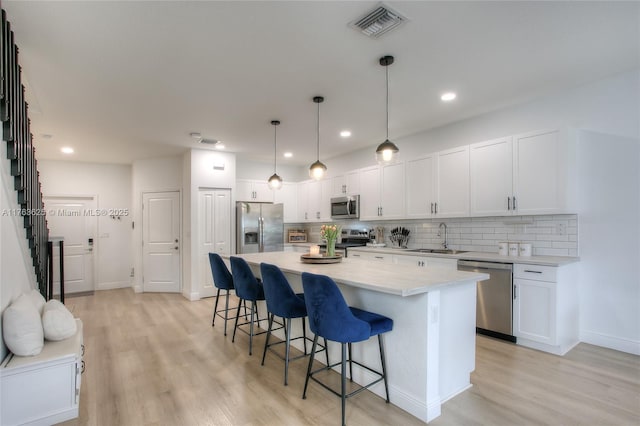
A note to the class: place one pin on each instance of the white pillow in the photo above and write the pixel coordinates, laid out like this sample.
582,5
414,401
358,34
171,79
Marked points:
38,300
57,321
22,327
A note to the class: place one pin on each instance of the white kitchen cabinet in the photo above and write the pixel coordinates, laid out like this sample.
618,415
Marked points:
288,196
545,307
520,175
423,261
452,183
325,200
314,201
253,190
382,192
368,255
420,187
346,184
43,389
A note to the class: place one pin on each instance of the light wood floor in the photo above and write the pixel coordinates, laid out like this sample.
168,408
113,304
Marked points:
154,359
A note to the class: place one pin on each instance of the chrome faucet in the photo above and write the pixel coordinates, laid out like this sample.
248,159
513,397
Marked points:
444,242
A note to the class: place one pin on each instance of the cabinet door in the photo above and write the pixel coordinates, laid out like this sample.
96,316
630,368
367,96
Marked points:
491,177
410,260
453,182
377,257
262,192
288,196
370,193
534,311
540,165
338,185
352,182
244,190
419,184
313,200
303,201
325,199
392,192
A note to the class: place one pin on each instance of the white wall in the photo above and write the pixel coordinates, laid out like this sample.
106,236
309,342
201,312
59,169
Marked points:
110,184
199,173
609,235
262,171
607,106
153,175
17,274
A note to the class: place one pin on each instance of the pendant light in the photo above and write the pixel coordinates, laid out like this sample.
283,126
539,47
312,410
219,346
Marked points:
387,150
317,169
275,181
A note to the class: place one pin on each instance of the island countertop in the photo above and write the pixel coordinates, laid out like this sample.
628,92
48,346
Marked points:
400,280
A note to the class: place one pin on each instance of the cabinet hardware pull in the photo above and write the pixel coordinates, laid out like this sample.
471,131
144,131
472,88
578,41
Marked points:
514,203
532,272
379,257
436,209
514,292
508,203
431,208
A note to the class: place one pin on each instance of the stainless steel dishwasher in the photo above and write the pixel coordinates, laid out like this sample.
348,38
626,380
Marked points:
494,307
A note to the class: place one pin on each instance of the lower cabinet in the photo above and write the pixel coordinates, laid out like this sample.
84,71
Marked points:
378,257
545,307
43,389
422,261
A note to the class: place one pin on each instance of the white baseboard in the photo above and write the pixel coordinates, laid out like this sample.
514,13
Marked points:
192,297
611,342
137,288
112,285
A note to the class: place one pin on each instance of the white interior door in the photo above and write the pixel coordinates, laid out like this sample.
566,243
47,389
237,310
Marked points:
161,242
73,219
214,229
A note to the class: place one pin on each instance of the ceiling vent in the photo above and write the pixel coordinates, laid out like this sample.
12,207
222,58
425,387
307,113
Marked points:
209,141
379,21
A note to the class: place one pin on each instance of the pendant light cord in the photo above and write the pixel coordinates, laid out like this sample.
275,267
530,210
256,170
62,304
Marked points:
275,148
318,133
387,73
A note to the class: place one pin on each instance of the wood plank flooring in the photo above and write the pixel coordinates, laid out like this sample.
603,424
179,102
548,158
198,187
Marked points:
154,359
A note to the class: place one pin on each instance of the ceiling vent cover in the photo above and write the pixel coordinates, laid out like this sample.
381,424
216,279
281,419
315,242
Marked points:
379,21
209,141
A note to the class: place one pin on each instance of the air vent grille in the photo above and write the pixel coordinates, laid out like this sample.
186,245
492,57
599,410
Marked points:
379,21
209,141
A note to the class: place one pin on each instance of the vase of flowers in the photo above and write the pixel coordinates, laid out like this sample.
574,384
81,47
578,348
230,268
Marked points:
330,234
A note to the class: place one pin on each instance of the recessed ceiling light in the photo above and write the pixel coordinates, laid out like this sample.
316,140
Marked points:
449,96
219,145
288,154
66,150
345,133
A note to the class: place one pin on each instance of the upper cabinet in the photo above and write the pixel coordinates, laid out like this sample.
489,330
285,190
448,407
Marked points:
346,184
382,192
253,190
420,187
520,175
452,183
314,200
288,196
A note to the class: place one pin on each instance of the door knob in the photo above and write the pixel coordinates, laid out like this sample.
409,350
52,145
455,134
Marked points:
176,247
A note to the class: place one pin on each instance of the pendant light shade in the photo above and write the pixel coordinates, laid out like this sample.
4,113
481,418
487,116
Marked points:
387,150
317,169
275,181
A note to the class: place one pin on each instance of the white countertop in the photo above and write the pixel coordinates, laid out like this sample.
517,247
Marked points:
477,255
401,280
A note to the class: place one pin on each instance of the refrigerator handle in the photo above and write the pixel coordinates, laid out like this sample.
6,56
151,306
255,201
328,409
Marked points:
260,234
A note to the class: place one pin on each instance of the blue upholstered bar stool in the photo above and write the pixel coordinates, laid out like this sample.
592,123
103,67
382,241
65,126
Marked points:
284,303
330,317
223,280
248,288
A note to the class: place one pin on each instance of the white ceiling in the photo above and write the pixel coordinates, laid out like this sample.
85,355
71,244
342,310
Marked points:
120,81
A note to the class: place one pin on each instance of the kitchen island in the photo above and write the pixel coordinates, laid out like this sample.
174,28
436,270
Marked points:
431,350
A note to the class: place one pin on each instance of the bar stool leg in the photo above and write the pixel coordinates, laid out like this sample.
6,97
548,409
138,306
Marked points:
304,335
226,311
235,327
287,335
313,352
343,381
350,363
266,340
215,309
384,367
326,350
253,307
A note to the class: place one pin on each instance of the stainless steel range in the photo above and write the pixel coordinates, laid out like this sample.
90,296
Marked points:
350,238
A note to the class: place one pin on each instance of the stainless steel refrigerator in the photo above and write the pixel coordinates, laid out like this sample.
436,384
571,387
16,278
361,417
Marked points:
260,227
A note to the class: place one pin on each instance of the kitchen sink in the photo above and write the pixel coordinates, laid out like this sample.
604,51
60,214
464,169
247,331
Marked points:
437,251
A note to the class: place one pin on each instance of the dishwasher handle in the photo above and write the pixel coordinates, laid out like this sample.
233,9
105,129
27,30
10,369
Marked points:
484,265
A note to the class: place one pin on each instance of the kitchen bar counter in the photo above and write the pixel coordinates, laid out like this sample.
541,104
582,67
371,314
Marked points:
478,256
430,351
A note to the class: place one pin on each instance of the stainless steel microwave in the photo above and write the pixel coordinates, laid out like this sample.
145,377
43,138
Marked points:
345,207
